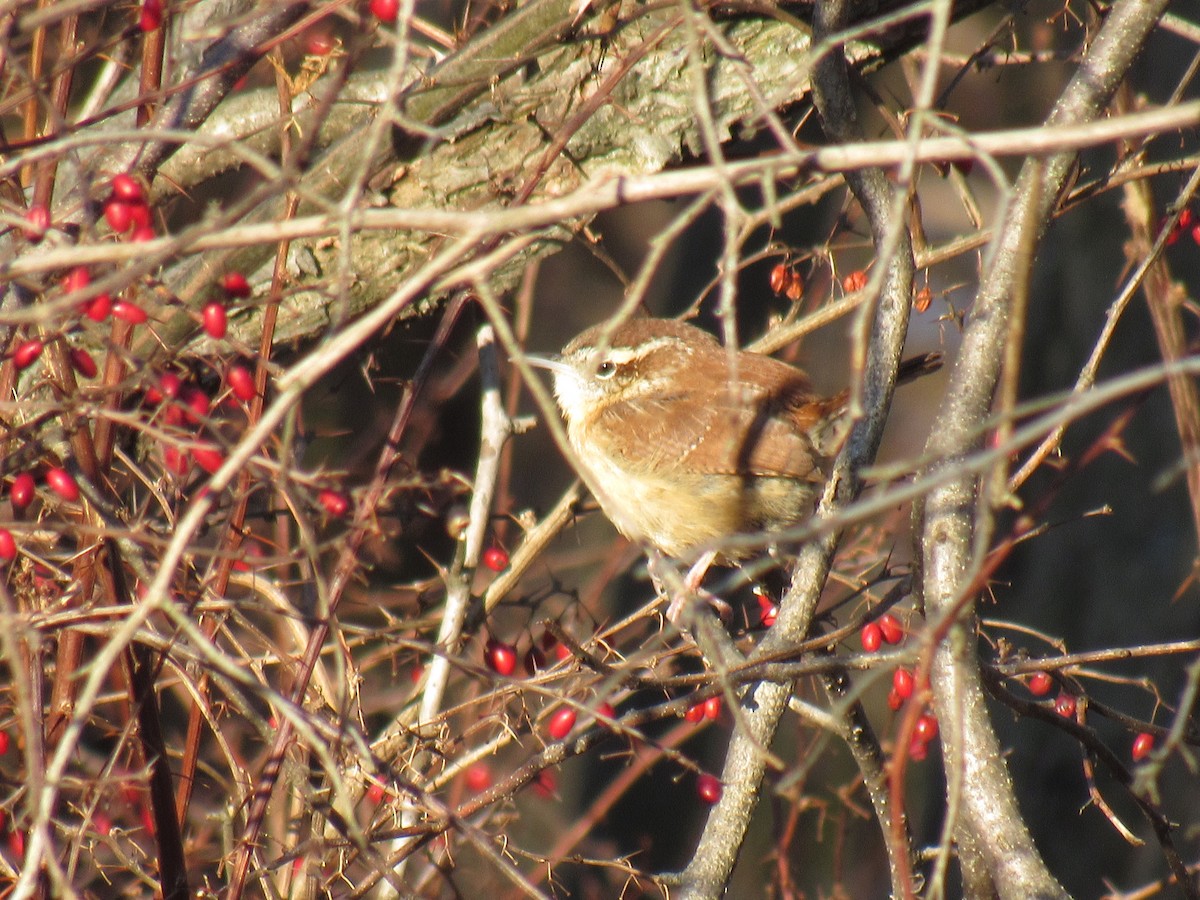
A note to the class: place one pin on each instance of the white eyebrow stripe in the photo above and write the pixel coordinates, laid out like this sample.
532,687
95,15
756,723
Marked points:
624,355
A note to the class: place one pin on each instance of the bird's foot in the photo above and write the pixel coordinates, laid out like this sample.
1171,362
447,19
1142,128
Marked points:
683,592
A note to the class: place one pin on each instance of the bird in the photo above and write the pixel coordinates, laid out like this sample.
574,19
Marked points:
689,444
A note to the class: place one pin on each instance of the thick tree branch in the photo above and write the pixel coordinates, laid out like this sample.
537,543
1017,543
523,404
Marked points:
954,522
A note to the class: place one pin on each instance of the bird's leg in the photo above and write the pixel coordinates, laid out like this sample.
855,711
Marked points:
667,583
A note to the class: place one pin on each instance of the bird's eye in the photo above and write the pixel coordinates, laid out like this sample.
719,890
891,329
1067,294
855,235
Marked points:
606,369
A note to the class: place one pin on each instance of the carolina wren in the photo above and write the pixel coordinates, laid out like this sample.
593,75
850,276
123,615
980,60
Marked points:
691,444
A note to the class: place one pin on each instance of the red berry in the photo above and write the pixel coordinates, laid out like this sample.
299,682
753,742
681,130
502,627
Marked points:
871,637
196,404
215,320
102,823
152,15
767,610
545,784
20,495
478,777
241,382
903,683
778,279
176,461
1040,684
77,279
495,559
37,223
129,312
208,457
606,711
141,234
62,483
235,284
561,723
695,713
917,749
318,41
16,843
98,308
119,215
169,386
926,729
126,189
385,10
894,700
375,793
501,658
1064,705
83,363
1196,234
712,707
1142,745
141,215
8,546
855,281
1185,217
27,353
335,503
709,788
794,289
891,629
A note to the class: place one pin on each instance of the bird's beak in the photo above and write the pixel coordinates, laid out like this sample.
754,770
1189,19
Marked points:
552,363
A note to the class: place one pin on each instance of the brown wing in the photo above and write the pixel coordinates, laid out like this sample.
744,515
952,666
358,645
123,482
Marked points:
766,423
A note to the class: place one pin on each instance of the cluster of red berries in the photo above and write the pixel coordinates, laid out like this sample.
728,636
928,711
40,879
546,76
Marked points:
1040,684
190,404
855,281
1186,222
924,733
563,719
179,403
705,709
886,628
21,493
785,281
126,210
501,657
